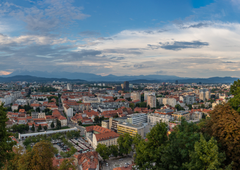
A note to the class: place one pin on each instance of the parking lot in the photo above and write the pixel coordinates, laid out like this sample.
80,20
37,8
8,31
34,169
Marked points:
80,144
116,162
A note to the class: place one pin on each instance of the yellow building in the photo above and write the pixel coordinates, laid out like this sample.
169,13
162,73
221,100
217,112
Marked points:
181,114
124,127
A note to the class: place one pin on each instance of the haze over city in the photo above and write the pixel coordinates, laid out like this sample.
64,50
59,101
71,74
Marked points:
185,38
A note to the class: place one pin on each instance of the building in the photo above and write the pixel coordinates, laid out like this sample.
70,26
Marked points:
181,114
176,82
41,115
188,99
153,118
167,101
15,107
137,118
204,94
135,96
108,139
26,135
151,101
126,85
69,86
146,93
87,161
124,127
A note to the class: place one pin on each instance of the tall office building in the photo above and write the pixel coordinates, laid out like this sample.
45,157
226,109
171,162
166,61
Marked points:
151,101
204,94
146,93
69,86
126,85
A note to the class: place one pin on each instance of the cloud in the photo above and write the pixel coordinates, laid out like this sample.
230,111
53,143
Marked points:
198,25
178,45
46,15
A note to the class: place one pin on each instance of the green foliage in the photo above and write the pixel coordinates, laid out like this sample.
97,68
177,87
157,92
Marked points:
125,144
58,124
20,128
33,128
80,123
52,125
39,128
47,89
206,156
45,128
113,149
142,104
103,150
190,106
73,134
6,143
132,105
178,107
180,142
224,126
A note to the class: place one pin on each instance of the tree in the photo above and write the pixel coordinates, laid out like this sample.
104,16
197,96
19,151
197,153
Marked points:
6,143
33,128
181,142
39,128
45,128
190,106
125,144
103,150
206,155
96,119
38,109
40,157
80,123
58,124
113,150
26,127
149,152
132,105
52,125
67,164
179,107
224,126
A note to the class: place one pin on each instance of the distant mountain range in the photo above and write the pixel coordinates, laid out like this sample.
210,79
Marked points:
89,77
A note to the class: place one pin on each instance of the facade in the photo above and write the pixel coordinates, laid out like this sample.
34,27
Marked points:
135,96
108,139
153,118
146,93
167,101
126,85
204,94
137,118
188,99
41,115
69,86
123,127
14,107
181,114
151,101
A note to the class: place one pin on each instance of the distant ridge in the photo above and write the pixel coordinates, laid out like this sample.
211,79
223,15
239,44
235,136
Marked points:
37,79
29,78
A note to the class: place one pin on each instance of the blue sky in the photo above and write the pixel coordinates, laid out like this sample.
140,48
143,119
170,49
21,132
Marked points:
188,38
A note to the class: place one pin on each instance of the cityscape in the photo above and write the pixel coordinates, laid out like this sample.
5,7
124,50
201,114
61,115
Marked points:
119,85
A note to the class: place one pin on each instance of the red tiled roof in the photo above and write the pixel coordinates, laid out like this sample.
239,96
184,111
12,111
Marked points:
97,128
106,136
88,160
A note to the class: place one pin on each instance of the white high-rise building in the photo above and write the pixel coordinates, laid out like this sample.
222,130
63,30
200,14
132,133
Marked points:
69,86
151,101
167,101
204,94
146,93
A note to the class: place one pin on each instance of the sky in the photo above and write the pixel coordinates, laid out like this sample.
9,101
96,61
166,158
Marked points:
187,38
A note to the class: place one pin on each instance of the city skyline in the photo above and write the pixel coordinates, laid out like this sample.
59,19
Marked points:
186,39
